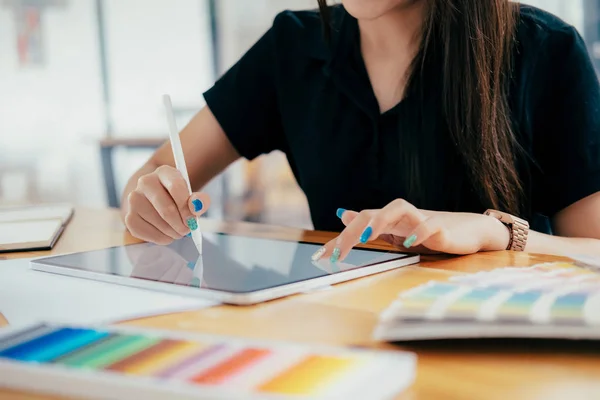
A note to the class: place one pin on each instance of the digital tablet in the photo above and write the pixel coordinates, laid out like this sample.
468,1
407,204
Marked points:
232,269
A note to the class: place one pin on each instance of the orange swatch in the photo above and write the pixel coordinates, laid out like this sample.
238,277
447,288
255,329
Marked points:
230,367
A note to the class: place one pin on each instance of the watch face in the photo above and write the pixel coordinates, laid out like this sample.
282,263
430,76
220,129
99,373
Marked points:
502,217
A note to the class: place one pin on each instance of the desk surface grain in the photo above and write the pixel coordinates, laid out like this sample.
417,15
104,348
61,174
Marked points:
347,313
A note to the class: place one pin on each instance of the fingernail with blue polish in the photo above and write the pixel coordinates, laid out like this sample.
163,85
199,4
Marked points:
192,223
408,243
366,235
189,234
198,205
340,212
335,256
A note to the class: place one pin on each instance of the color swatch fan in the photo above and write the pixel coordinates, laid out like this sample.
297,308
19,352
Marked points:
555,300
122,363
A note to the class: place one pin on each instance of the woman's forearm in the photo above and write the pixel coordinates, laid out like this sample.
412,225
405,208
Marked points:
556,245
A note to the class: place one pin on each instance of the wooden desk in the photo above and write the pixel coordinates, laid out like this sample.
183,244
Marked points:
347,314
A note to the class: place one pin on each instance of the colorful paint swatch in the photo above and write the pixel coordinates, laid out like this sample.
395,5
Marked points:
569,308
234,368
416,303
163,354
431,292
53,345
411,309
187,364
111,351
20,337
230,367
518,306
503,295
309,376
553,266
470,303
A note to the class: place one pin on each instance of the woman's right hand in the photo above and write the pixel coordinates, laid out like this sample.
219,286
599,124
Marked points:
160,209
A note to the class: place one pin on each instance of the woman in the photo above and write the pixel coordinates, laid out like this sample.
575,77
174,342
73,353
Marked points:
416,116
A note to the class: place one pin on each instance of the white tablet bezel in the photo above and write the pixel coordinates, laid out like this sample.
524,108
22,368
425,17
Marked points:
248,298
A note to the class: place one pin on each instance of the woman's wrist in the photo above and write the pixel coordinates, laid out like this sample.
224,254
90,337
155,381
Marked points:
495,235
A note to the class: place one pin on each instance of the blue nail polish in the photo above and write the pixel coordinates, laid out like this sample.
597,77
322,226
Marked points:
198,205
340,212
409,242
189,234
366,235
335,256
192,224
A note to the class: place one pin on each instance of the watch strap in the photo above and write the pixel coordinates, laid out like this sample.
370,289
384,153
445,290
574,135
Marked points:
518,229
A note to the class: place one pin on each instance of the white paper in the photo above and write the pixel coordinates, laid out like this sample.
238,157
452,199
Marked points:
28,297
36,213
28,231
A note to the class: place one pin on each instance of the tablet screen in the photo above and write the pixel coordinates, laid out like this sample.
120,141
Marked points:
229,263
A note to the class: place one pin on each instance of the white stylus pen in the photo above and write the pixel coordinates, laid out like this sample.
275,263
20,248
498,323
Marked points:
180,161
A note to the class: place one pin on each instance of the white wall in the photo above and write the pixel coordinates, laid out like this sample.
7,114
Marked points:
243,22
52,116
47,112
43,99
156,47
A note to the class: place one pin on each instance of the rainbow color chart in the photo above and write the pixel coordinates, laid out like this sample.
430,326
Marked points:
123,363
554,300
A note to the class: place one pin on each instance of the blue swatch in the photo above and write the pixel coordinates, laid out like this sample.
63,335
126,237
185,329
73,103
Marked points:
573,300
53,345
435,290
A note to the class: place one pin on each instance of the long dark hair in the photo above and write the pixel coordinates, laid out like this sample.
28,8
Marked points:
475,40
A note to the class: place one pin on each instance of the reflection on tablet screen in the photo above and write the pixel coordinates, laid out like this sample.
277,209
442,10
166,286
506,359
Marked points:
229,263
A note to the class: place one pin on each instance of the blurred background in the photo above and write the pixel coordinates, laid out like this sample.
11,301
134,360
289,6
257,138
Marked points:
81,84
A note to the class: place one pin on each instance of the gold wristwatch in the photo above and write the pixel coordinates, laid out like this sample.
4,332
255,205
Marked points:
517,227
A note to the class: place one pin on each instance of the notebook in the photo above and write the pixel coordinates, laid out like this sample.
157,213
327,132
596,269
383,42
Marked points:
552,301
32,227
129,363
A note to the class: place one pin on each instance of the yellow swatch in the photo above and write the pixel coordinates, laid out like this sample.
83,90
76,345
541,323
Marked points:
309,376
554,266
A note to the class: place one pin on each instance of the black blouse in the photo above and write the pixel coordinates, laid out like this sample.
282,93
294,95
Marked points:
293,92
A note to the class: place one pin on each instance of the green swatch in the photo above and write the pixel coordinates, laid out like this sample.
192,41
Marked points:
109,352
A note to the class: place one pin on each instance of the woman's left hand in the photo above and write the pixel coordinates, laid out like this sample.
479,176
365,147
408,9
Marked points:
402,224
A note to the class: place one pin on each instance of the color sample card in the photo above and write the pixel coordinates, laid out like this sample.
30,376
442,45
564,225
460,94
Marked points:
228,368
553,293
468,305
518,306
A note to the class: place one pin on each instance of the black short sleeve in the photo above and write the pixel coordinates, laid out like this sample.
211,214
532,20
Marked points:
566,113
244,101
